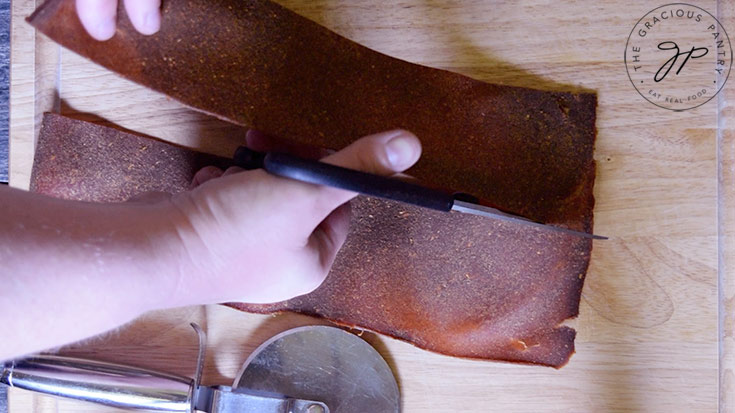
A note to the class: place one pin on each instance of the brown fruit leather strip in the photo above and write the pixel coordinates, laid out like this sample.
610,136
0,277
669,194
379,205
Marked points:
257,64
447,282
87,162
451,283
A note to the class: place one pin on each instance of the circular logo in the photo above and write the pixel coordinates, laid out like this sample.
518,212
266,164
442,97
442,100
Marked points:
678,56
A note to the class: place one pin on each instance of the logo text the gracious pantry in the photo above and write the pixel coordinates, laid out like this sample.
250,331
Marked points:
678,56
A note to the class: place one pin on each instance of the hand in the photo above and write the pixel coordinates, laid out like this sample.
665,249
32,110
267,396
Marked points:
246,236
99,16
253,237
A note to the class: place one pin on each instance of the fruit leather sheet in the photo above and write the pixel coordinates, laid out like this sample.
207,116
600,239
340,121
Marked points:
454,284
448,282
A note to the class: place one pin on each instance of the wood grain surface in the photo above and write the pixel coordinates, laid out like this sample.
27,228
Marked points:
656,321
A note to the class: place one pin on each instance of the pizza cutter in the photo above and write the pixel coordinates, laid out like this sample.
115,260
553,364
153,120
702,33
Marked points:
314,369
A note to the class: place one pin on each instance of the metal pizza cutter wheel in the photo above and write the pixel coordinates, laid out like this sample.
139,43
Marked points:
315,369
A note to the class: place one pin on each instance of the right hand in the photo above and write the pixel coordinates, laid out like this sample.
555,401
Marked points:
249,236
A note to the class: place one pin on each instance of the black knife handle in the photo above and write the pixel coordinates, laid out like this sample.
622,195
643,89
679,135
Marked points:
247,158
320,173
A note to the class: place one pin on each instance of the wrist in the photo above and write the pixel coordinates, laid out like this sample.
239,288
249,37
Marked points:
143,272
175,247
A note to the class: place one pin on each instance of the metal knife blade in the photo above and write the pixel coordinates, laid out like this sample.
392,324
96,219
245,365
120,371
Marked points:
475,209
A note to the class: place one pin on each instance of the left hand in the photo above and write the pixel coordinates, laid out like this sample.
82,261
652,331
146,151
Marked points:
99,16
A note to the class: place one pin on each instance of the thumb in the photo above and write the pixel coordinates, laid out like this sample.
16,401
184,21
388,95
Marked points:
384,154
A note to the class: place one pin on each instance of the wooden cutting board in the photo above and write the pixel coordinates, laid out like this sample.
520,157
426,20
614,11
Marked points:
657,293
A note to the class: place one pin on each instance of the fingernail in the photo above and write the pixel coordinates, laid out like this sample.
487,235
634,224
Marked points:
401,151
105,29
151,22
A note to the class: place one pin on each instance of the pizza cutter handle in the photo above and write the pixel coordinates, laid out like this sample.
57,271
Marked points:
320,173
100,382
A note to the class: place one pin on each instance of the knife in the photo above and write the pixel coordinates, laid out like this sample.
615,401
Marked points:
320,173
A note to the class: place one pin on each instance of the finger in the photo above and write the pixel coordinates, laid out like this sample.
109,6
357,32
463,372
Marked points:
382,154
261,142
330,235
232,170
98,17
144,14
305,206
205,174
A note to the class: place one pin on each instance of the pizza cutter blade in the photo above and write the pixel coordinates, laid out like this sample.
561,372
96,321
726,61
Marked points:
314,369
325,364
